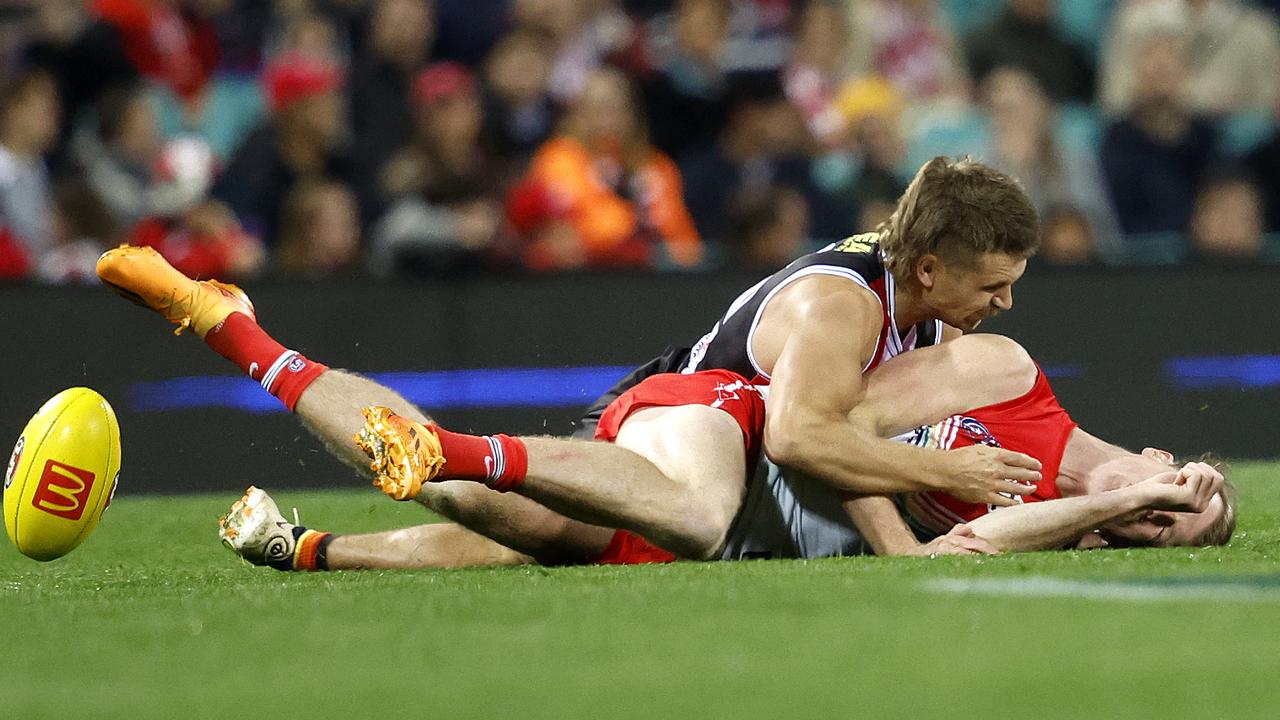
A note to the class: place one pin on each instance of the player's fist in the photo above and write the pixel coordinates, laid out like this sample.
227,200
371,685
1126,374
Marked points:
987,475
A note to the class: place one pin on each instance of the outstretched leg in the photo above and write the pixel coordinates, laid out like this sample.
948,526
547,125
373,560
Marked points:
257,531
331,408
676,475
329,401
436,545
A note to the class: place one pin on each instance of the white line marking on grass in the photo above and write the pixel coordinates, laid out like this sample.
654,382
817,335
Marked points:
1172,590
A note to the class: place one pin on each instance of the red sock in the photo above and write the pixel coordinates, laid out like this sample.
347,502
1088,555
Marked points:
499,461
282,372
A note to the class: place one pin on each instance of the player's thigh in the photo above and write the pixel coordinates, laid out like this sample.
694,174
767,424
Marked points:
695,445
925,386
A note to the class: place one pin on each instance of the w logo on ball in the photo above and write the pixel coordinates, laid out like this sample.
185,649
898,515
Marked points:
62,490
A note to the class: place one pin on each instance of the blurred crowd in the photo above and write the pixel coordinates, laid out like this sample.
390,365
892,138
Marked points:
317,138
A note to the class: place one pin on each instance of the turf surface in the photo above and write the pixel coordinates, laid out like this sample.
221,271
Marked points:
151,618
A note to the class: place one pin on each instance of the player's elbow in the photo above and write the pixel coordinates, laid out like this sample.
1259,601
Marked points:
789,438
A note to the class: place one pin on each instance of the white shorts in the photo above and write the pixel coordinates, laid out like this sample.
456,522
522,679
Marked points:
790,515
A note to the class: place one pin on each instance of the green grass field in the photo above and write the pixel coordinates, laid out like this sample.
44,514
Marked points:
152,618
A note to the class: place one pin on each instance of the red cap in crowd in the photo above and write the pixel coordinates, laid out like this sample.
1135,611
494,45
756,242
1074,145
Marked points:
293,78
441,81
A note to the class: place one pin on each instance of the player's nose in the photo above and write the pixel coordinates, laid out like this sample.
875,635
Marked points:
1003,300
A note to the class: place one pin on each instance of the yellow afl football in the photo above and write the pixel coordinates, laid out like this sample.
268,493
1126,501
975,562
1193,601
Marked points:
62,474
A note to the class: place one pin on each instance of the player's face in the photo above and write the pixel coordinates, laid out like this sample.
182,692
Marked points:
1161,528
1154,528
964,294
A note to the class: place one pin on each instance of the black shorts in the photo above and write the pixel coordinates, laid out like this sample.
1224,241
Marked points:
671,360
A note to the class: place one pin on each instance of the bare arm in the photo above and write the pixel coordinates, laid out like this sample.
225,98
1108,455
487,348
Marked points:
880,524
822,331
1053,524
829,331
887,533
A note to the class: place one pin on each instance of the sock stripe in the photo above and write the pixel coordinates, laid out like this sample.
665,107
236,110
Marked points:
499,458
273,373
270,373
515,463
306,548
269,377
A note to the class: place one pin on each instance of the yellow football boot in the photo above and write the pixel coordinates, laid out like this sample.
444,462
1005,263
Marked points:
405,454
142,275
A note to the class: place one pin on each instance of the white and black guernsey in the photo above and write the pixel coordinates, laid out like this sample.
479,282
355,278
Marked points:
728,345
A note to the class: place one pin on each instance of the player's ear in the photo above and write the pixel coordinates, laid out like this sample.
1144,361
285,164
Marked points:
927,270
1160,456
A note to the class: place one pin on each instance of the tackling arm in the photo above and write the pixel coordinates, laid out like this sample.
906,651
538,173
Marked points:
822,330
817,380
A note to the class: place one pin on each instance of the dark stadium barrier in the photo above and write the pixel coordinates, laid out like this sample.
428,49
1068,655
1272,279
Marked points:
1175,357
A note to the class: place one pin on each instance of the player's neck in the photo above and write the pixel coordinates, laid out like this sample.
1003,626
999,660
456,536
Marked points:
908,309
1082,457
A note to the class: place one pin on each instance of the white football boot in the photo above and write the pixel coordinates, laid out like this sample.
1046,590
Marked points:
257,532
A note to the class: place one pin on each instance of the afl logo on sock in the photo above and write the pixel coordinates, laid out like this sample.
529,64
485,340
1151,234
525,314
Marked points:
296,364
13,461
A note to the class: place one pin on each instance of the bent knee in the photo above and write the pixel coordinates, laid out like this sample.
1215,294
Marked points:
709,517
995,366
702,451
703,534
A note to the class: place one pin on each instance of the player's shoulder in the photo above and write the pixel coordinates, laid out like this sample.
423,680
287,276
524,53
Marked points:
829,301
858,253
867,244
828,269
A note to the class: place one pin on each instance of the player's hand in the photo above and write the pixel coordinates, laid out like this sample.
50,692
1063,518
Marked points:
960,541
990,476
1187,490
